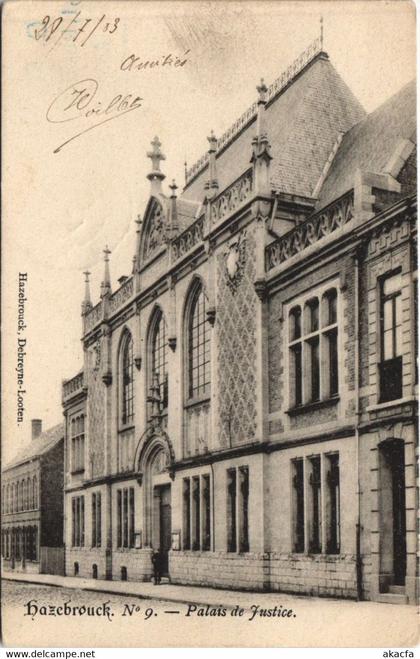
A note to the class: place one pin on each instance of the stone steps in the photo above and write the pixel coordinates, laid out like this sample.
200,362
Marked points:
392,598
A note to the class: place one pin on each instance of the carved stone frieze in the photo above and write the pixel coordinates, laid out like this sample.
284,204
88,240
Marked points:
309,232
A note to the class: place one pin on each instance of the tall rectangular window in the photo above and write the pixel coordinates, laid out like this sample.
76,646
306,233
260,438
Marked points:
390,367
231,510
298,507
205,513
313,349
78,521
131,514
313,512
243,473
296,355
77,430
333,504
196,513
186,495
119,518
316,517
238,509
96,519
125,518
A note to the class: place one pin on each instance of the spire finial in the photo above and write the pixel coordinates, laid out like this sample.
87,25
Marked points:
86,304
106,283
262,90
174,188
321,24
212,186
156,176
212,140
173,215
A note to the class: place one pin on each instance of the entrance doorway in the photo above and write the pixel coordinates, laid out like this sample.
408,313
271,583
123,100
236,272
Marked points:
162,532
393,559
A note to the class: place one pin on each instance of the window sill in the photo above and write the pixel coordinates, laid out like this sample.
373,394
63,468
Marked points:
199,400
77,471
309,554
391,403
125,427
316,405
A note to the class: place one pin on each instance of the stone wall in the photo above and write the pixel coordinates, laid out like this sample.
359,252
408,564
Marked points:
86,558
314,575
318,575
219,569
138,563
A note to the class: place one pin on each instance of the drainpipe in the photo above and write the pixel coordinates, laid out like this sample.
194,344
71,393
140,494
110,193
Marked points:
359,571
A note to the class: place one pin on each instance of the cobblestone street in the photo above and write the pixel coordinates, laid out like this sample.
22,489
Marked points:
137,622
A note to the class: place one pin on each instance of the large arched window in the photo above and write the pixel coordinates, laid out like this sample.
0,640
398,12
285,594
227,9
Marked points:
159,362
198,346
127,381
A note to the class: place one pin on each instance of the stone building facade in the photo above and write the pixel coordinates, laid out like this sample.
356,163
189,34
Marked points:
32,505
248,398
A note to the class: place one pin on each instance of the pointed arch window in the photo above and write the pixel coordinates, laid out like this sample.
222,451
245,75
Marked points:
127,383
160,358
198,346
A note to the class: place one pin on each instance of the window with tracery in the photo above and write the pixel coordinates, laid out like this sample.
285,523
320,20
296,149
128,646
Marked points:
127,382
198,347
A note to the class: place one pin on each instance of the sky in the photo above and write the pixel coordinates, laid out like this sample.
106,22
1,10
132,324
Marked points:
61,209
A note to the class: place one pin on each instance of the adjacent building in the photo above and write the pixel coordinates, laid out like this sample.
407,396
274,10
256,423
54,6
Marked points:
32,504
247,403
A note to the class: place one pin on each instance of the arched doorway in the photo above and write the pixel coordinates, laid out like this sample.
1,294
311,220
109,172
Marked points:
162,515
153,461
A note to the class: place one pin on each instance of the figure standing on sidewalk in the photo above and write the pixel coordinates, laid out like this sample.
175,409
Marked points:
157,567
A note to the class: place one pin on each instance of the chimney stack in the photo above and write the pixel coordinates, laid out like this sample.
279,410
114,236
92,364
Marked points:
36,428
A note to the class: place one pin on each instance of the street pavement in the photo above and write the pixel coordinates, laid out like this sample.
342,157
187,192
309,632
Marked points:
144,615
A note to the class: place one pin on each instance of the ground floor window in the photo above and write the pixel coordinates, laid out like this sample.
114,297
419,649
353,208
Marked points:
125,517
316,504
196,496
78,521
20,543
237,509
96,519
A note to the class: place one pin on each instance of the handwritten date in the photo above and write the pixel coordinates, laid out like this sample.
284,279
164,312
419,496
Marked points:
81,28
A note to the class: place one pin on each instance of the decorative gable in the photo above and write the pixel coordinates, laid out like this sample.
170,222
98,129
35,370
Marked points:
154,229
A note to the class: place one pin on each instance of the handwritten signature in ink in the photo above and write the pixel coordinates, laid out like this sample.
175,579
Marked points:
78,101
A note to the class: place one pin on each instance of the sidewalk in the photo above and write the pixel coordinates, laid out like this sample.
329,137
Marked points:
165,592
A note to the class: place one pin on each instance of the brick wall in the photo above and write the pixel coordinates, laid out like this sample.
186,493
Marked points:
52,496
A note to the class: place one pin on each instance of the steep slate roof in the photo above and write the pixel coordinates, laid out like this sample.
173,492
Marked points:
371,143
37,447
302,123
186,212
